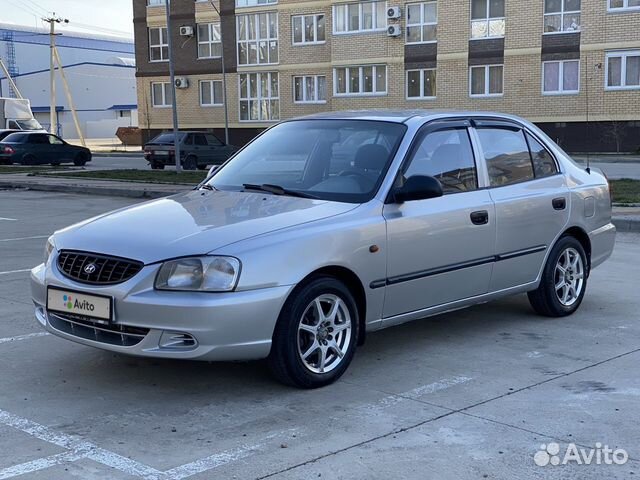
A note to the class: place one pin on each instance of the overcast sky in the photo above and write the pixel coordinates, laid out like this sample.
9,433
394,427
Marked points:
107,17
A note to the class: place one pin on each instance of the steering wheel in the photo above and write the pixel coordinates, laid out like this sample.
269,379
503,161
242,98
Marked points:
356,173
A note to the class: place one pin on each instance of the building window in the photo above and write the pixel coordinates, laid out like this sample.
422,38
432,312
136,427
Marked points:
209,40
487,18
561,77
158,45
161,94
561,16
156,2
623,70
253,3
258,38
486,81
421,83
210,93
259,98
365,80
616,5
310,89
422,22
359,17
308,29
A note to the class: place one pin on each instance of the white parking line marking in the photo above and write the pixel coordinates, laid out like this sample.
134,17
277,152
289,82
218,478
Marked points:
79,449
23,337
218,459
413,394
9,219
23,238
39,464
15,271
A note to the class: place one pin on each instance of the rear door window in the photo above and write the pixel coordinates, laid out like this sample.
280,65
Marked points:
198,139
507,155
543,163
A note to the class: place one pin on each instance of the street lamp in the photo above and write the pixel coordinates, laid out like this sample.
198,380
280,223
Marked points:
224,78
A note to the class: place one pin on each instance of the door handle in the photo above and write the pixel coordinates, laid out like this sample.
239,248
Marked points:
480,217
559,203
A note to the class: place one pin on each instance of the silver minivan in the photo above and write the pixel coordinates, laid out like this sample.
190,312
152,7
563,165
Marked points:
326,228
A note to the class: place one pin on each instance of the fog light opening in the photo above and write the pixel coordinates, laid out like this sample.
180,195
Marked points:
177,341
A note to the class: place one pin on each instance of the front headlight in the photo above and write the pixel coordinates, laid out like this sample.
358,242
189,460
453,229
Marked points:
204,274
48,249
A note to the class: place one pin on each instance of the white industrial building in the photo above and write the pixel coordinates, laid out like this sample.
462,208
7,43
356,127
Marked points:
100,71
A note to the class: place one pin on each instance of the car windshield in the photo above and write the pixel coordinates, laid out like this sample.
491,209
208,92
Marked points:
164,139
31,124
339,160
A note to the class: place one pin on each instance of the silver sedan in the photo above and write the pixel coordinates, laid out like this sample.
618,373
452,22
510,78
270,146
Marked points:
326,228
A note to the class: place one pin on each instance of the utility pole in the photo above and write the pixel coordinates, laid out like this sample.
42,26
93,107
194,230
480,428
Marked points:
52,20
224,78
172,77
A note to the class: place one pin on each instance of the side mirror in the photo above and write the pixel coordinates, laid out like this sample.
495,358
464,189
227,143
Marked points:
213,169
418,187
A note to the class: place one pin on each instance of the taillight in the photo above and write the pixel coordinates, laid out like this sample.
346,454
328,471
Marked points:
8,150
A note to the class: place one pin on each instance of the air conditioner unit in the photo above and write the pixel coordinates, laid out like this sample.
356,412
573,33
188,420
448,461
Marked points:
394,30
393,12
186,31
182,82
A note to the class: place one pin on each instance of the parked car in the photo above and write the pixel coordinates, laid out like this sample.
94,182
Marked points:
37,148
286,259
197,150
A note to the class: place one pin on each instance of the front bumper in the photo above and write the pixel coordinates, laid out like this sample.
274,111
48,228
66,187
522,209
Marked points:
222,326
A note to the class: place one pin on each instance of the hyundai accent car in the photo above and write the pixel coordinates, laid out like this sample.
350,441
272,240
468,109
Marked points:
293,255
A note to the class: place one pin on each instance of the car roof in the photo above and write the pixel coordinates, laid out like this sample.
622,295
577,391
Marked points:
402,116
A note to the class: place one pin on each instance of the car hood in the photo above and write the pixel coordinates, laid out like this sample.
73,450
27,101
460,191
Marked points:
193,223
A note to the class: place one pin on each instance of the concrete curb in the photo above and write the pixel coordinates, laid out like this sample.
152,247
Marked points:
117,154
627,224
129,191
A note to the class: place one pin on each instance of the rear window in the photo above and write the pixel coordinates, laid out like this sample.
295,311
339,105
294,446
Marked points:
507,155
16,138
165,139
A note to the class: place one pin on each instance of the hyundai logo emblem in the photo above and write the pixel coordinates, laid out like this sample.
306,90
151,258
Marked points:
89,269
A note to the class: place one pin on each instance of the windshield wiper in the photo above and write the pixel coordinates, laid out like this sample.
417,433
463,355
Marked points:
276,190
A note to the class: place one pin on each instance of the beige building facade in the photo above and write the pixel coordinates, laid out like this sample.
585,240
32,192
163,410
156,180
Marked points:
571,66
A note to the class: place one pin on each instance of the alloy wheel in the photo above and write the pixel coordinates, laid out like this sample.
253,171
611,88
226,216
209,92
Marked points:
569,277
324,333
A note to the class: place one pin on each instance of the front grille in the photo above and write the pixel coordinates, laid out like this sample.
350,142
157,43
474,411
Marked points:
106,270
113,334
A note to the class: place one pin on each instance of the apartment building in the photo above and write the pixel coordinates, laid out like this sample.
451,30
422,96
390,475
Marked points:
571,66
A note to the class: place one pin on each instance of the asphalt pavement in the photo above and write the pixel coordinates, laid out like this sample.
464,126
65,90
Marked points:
470,394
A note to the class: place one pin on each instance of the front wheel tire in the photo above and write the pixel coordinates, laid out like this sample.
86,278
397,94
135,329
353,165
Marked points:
316,334
564,280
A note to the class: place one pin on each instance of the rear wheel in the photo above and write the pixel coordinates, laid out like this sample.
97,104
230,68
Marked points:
315,337
564,280
29,160
190,163
80,160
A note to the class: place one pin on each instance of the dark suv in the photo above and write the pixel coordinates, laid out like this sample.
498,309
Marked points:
197,150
